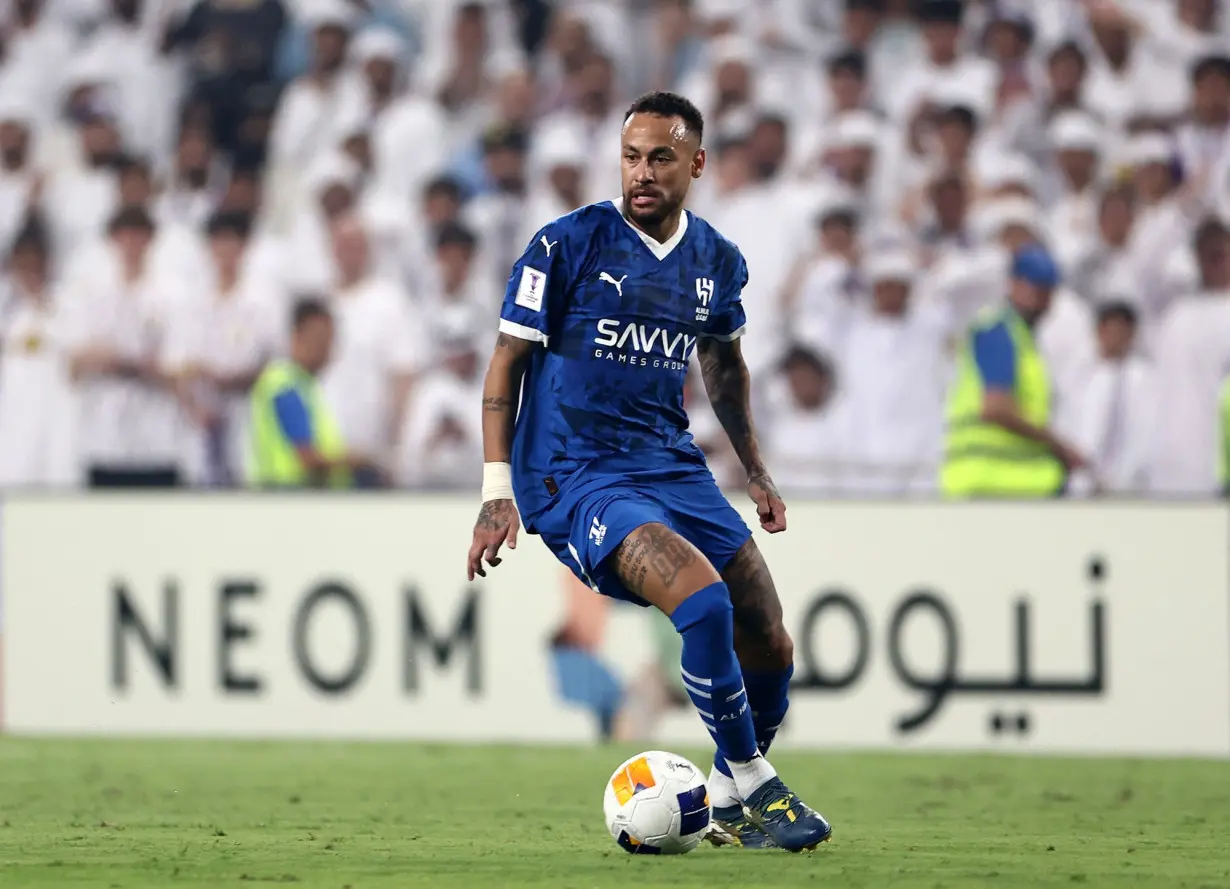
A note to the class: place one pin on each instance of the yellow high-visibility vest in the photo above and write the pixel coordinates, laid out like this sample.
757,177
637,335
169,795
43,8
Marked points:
985,460
274,460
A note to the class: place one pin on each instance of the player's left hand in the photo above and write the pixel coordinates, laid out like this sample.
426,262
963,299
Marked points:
769,505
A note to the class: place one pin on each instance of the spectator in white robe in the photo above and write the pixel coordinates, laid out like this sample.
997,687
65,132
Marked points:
469,45
408,134
442,442
846,90
377,352
1129,80
803,426
1024,127
825,284
304,125
1193,358
893,365
856,167
497,215
771,236
178,251
19,177
1203,141
597,116
946,232
128,423
458,280
944,72
194,183
1072,217
220,338
1118,407
264,255
557,178
80,195
36,46
37,447
148,86
333,189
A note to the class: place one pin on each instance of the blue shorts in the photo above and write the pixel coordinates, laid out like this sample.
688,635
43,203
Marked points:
591,520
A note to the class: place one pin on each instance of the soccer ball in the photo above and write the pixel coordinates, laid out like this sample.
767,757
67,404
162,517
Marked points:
656,803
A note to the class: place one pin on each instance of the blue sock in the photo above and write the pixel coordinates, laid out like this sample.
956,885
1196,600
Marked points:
711,671
768,694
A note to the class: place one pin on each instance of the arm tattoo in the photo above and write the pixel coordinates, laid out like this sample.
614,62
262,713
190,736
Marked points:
498,403
495,514
729,387
652,546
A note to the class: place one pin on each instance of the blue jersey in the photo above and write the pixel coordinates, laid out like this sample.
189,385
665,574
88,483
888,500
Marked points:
618,316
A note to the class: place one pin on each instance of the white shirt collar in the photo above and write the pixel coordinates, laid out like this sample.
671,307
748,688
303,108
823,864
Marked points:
660,249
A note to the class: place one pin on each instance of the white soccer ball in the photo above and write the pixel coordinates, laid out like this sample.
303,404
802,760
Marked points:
656,803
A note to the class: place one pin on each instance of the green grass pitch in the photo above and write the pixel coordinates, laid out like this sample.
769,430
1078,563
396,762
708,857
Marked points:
172,815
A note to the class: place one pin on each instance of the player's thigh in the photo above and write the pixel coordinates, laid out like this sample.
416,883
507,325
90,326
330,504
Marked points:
760,636
661,566
619,542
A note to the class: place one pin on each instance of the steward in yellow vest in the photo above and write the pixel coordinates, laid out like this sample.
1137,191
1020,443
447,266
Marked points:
998,442
295,439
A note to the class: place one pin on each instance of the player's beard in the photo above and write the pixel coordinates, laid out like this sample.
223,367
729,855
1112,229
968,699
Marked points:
653,215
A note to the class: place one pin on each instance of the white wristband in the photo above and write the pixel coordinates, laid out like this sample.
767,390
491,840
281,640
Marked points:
497,482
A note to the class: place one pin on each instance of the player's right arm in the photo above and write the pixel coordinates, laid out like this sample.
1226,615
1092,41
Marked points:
536,291
497,519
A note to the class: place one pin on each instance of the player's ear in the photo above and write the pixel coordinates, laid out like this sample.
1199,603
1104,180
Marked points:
698,163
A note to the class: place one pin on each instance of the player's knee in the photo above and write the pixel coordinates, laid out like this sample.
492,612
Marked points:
779,650
708,604
764,645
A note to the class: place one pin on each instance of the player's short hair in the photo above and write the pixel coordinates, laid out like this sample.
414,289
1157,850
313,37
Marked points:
308,308
229,222
1118,309
131,218
1217,65
665,104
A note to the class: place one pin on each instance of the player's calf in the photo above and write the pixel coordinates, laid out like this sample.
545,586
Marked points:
667,571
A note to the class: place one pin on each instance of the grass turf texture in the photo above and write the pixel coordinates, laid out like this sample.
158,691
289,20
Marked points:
145,814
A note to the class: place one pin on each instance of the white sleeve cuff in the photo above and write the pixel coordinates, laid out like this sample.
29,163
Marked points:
726,337
521,332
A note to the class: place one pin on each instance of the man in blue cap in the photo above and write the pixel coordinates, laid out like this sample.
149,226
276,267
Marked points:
999,443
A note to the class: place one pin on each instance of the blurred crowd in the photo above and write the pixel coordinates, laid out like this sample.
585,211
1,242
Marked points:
174,174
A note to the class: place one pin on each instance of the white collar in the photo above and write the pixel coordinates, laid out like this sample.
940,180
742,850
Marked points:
660,249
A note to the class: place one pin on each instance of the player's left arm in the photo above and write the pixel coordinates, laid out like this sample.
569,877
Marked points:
728,383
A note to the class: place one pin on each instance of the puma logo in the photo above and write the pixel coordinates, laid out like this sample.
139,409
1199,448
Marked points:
547,244
778,805
619,285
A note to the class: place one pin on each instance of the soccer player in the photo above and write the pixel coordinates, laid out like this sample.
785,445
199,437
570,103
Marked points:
583,422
